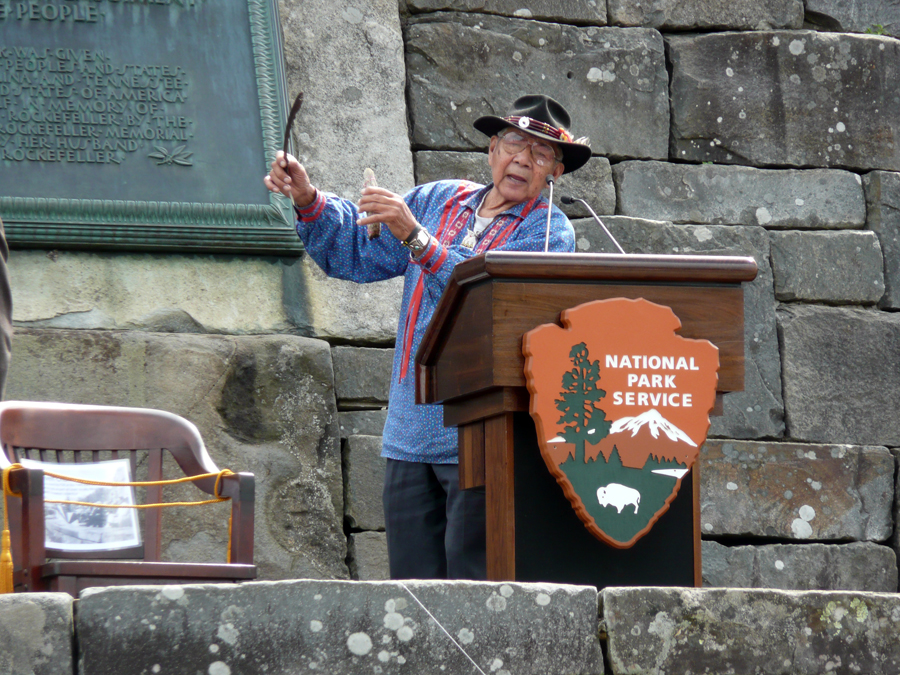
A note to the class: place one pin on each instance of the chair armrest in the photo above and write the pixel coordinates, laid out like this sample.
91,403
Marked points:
26,522
241,488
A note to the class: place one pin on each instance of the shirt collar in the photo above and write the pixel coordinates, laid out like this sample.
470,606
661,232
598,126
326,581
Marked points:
472,201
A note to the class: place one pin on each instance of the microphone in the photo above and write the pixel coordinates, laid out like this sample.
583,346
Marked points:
572,200
549,211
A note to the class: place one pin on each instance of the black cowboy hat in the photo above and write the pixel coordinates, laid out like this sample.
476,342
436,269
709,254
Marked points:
545,118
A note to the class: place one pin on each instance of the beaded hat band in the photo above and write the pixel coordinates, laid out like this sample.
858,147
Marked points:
539,128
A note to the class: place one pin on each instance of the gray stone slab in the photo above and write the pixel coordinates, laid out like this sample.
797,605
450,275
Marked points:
263,404
731,195
369,556
571,11
855,16
758,411
362,375
36,634
340,628
432,165
707,14
839,367
146,291
795,98
895,537
362,422
831,267
334,309
860,566
357,120
364,482
592,182
612,81
883,217
590,237
765,632
796,491
347,123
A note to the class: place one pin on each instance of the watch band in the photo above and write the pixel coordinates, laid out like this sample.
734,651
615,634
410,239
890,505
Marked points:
412,235
418,240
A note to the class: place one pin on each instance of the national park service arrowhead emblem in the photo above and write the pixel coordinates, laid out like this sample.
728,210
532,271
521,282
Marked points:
621,405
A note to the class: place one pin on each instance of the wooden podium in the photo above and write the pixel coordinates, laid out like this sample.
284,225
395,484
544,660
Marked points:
471,360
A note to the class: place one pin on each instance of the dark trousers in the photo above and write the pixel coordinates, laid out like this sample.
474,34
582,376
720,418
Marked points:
434,529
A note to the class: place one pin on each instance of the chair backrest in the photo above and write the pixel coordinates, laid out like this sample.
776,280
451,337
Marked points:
70,433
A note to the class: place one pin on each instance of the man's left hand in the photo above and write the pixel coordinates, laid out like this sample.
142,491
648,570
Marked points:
383,206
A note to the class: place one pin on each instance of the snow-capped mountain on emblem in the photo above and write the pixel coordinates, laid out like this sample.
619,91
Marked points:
646,435
654,423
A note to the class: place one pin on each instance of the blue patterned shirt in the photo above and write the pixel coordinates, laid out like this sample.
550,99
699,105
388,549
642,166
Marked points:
328,228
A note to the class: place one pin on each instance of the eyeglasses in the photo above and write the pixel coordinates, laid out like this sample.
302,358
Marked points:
514,143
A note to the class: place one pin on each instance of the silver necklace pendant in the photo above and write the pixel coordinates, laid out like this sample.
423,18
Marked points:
469,240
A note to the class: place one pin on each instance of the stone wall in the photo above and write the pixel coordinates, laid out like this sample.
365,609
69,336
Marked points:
345,628
768,130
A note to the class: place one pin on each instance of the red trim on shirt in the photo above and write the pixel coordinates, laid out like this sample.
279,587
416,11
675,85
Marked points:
450,211
508,228
312,210
412,316
507,231
440,261
429,253
529,207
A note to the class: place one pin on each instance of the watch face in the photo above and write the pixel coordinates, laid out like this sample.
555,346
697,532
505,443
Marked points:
420,242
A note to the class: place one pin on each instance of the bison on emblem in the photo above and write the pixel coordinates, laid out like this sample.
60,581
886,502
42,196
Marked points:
619,496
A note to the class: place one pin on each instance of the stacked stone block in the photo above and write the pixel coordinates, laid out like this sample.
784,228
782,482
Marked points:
669,630
37,633
362,383
336,627
883,218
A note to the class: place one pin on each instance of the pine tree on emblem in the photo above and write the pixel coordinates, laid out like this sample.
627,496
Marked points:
584,420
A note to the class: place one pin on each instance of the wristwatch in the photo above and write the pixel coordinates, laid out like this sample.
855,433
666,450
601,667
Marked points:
418,240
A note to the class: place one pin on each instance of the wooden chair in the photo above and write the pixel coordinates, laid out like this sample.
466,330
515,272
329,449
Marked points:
64,433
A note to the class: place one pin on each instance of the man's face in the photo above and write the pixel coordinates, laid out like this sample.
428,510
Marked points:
515,167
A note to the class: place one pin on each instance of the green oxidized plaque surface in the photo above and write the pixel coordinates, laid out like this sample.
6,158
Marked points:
141,124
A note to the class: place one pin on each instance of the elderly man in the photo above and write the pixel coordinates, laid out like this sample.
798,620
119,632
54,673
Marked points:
434,529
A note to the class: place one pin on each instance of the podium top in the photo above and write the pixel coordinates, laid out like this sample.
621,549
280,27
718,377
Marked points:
473,342
605,266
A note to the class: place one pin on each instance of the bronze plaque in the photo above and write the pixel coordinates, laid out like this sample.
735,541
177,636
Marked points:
141,125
